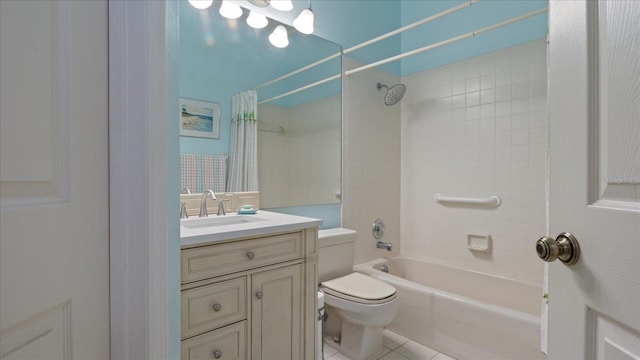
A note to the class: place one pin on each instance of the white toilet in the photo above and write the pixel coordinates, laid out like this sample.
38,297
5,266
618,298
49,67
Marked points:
366,305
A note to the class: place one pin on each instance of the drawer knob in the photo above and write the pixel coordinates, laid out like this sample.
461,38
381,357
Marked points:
259,295
251,255
217,307
217,354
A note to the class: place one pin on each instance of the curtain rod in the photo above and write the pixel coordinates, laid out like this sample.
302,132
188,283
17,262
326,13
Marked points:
411,26
280,130
331,57
446,42
330,78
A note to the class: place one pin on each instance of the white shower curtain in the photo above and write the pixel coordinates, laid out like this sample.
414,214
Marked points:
243,161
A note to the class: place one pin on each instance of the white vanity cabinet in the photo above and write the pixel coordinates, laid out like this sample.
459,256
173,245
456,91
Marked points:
250,298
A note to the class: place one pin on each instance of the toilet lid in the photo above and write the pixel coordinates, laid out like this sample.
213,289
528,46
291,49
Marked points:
361,286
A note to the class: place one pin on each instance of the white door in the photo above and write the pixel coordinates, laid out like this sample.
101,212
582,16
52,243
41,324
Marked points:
594,105
54,219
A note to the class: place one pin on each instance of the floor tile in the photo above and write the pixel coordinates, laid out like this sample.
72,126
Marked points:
380,355
393,356
338,356
416,351
392,340
328,349
442,356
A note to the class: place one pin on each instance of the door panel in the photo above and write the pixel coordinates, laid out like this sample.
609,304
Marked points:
594,190
54,247
615,49
34,98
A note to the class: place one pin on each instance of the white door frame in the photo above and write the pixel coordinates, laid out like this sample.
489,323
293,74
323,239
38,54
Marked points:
143,174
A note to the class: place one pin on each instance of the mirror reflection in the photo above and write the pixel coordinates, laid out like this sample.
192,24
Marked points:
296,112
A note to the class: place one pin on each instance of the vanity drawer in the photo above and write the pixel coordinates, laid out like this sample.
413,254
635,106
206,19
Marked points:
220,259
212,306
227,343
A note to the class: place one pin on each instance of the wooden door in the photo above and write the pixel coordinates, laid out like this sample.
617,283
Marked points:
594,104
276,314
54,222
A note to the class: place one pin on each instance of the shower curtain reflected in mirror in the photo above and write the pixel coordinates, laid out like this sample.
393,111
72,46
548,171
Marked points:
243,161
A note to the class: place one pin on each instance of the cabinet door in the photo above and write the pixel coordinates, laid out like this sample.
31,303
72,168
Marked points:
276,312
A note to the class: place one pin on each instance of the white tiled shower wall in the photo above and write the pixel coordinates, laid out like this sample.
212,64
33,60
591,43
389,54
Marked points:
475,129
371,160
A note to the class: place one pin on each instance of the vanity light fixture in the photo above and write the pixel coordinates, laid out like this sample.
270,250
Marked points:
201,4
259,3
230,10
257,20
282,5
278,37
304,21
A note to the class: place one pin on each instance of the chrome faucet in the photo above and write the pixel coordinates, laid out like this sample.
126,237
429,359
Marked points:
383,245
203,202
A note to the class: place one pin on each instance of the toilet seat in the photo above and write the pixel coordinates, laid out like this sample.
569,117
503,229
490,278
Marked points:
360,288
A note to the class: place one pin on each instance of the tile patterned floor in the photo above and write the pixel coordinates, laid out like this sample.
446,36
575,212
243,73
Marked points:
396,347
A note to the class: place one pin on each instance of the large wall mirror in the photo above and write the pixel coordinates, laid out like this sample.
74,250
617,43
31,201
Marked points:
299,105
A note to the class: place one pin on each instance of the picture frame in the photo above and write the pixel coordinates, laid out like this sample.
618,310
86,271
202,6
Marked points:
199,119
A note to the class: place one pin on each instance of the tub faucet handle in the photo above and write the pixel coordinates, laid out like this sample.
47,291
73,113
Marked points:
384,245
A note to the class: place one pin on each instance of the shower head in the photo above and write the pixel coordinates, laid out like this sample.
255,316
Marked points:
394,94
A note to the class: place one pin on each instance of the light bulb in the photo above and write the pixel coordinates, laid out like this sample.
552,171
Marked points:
282,5
257,20
304,22
230,10
278,37
201,4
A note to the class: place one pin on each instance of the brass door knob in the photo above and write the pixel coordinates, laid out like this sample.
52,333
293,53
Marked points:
565,247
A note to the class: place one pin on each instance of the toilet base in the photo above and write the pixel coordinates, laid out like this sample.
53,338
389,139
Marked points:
360,342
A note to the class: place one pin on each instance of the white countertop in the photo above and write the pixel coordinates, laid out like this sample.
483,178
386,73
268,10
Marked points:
262,223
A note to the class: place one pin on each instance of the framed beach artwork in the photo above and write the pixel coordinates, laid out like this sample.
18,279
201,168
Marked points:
199,119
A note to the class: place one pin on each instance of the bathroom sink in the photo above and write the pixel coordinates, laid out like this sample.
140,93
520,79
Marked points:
197,231
213,221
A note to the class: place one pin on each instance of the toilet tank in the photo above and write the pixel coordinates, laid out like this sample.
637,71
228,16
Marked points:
335,249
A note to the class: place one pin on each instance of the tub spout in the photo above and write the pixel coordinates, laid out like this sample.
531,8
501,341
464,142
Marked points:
383,245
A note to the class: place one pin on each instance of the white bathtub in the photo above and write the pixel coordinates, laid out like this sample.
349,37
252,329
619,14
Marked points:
464,314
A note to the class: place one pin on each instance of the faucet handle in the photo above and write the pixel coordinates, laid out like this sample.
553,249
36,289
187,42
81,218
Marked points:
221,206
183,210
